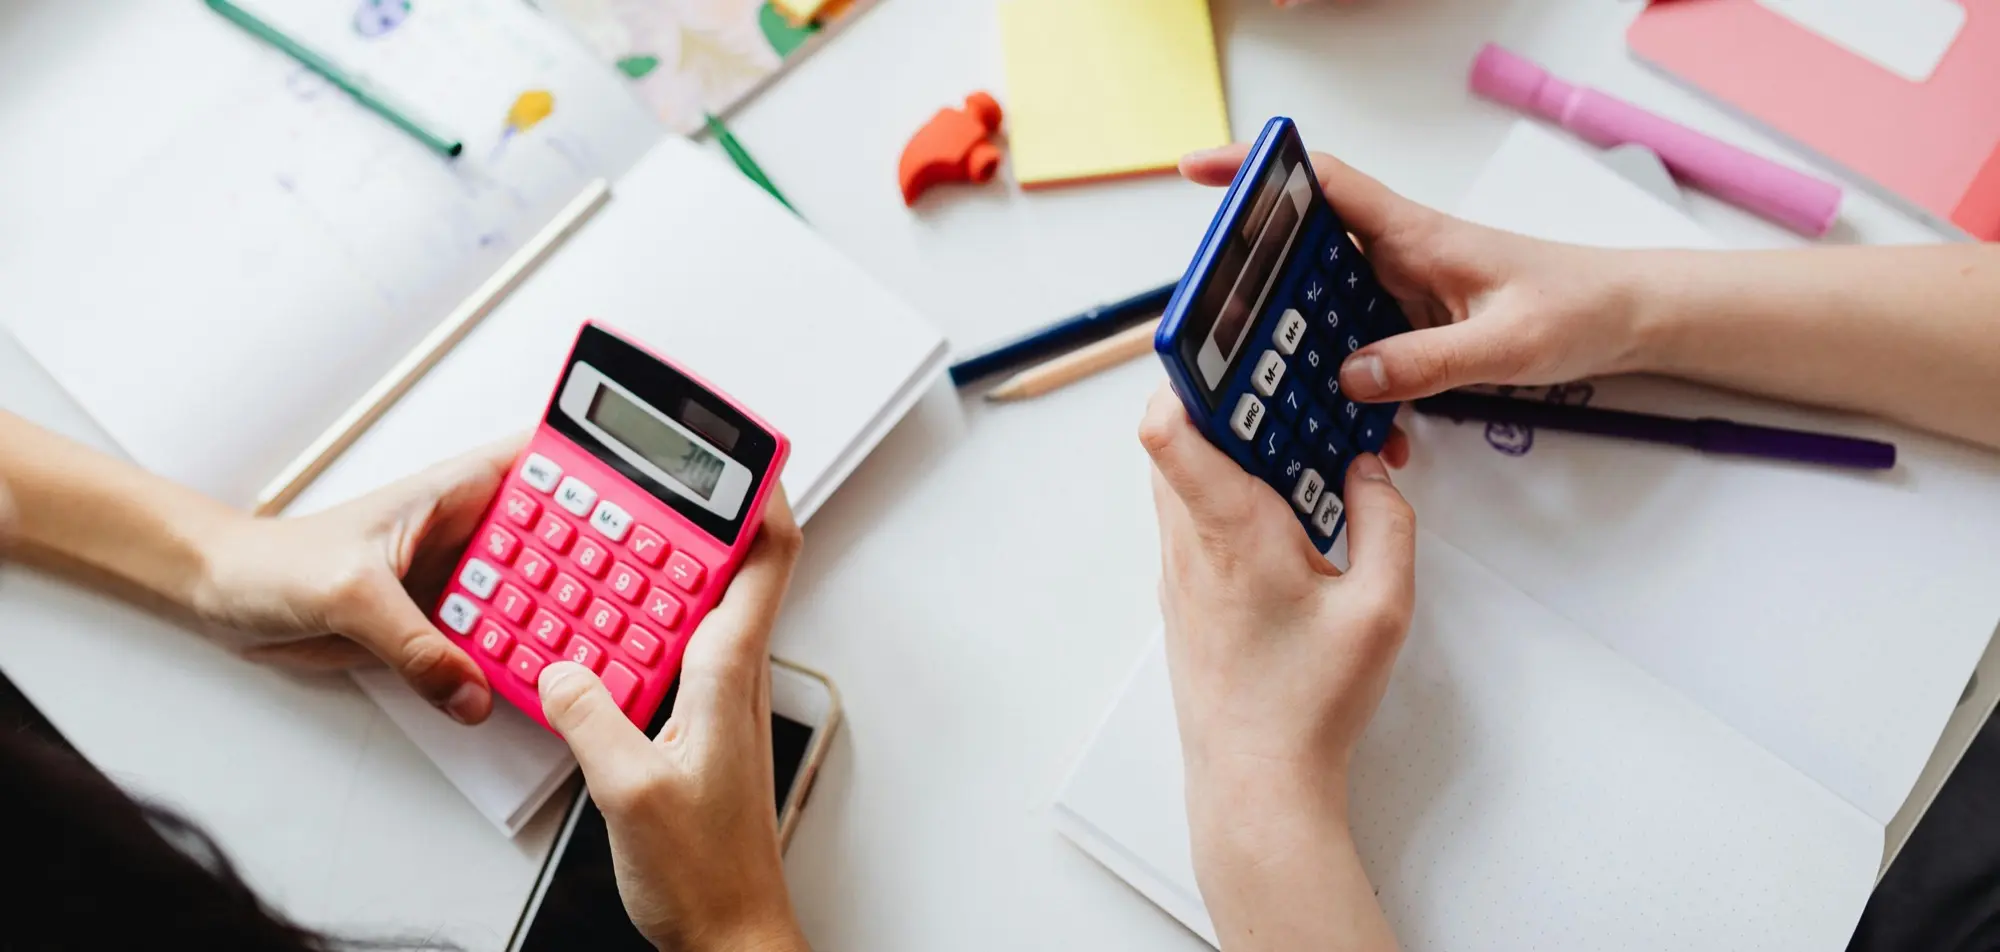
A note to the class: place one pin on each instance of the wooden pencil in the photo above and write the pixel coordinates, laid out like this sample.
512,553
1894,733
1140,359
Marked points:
1127,345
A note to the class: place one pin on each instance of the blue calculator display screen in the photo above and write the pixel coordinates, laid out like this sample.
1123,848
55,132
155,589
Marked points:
1278,297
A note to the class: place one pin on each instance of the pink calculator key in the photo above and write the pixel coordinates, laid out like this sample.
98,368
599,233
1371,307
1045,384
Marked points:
521,509
627,583
526,664
555,533
662,608
686,572
591,558
536,568
570,593
605,618
548,629
649,546
495,641
513,604
621,682
500,545
585,652
641,645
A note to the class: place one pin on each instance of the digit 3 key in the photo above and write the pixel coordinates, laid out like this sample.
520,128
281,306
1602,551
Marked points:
1276,299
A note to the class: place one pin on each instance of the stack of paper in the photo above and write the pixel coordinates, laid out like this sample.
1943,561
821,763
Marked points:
1651,699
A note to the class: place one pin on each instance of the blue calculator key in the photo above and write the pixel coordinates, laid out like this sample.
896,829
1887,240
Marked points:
1350,284
1349,343
1332,320
1347,413
1291,401
1313,293
1327,391
1316,425
1314,360
1335,452
1287,473
1376,422
1271,447
1329,256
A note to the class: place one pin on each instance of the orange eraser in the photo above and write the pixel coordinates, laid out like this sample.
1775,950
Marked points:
954,146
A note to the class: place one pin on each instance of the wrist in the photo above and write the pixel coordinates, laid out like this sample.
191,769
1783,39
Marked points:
218,545
775,933
1648,291
1256,804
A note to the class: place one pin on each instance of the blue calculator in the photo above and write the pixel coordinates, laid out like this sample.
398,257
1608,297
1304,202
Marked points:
1253,340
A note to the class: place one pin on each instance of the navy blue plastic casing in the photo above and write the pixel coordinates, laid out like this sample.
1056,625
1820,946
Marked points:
1250,273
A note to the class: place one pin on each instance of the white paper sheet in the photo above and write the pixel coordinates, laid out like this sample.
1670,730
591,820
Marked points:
287,246
693,260
1831,616
1523,787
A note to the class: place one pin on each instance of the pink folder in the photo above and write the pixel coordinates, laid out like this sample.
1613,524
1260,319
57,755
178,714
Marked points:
1934,146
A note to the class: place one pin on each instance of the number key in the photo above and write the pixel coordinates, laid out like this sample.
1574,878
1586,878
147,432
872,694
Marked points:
605,618
627,583
1291,402
591,558
513,604
1313,360
495,642
585,652
569,593
1315,424
555,533
536,569
549,630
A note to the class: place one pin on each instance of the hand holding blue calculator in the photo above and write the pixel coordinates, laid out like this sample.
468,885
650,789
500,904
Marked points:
1276,299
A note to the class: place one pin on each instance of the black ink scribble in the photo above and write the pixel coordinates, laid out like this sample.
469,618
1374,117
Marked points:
1514,439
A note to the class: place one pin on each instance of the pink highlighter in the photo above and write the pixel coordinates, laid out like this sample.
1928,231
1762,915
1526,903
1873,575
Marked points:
1794,199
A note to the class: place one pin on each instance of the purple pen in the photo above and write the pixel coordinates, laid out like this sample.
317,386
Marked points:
1708,434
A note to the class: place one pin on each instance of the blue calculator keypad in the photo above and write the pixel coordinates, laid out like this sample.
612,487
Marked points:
1284,410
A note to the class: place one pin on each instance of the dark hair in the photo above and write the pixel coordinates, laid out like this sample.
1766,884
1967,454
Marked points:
95,869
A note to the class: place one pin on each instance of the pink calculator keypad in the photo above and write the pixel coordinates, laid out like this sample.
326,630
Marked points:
568,591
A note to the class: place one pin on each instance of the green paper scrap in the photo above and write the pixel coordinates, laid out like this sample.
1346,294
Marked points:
638,66
783,36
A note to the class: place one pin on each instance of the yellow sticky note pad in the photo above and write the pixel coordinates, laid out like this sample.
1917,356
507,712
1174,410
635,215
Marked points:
1101,89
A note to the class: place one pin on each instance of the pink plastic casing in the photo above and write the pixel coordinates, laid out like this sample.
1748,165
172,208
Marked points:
721,562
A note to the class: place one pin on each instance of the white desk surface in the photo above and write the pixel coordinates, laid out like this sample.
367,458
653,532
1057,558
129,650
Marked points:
978,589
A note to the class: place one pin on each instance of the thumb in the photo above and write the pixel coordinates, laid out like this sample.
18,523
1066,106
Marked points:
385,621
1217,493
1428,362
1381,531
604,741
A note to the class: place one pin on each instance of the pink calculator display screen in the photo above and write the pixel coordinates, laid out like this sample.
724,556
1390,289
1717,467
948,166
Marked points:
616,531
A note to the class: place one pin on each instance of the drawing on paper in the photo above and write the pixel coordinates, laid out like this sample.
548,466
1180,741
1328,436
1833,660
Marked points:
1514,439
690,58
378,18
529,110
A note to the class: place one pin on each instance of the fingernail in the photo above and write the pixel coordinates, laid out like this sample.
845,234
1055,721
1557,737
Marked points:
1363,376
466,703
1369,466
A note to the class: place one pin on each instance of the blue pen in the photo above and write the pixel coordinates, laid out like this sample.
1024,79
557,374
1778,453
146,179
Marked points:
1090,326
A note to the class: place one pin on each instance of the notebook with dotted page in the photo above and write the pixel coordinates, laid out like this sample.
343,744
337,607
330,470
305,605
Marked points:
1650,699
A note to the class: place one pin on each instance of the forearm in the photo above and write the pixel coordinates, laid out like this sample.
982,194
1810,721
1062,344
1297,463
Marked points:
87,508
1911,334
1278,867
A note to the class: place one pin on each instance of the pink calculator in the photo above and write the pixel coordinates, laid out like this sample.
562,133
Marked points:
616,531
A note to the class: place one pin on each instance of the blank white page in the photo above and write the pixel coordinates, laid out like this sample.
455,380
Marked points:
697,263
1830,615
1523,787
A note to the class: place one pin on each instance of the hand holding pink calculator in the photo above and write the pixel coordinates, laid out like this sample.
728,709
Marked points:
617,531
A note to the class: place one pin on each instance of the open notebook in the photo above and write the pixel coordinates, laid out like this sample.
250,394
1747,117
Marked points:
286,248
1651,699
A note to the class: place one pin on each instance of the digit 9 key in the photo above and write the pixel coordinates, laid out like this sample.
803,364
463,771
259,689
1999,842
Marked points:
1276,299
617,530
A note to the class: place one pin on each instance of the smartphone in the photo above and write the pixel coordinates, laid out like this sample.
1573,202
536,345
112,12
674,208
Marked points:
575,904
